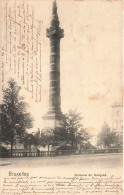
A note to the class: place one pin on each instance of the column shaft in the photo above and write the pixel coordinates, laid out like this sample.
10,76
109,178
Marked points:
54,88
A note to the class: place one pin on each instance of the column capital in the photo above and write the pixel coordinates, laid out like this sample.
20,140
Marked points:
57,33
54,31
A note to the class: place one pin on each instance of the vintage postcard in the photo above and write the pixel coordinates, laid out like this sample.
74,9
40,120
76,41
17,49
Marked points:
61,124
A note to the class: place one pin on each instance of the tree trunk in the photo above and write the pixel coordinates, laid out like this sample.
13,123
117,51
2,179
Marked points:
11,147
72,145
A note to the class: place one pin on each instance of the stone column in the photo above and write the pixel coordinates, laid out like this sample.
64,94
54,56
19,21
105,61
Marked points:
54,33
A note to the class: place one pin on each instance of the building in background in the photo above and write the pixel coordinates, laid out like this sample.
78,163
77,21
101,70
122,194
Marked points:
117,117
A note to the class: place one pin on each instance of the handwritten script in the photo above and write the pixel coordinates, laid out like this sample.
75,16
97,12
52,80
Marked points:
62,185
21,48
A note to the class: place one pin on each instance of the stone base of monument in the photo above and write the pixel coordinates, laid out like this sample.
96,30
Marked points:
52,120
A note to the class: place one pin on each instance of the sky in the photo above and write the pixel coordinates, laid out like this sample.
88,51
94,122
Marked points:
90,59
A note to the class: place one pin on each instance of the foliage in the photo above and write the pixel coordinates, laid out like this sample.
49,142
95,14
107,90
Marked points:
69,134
3,149
88,145
107,137
44,138
73,129
29,140
66,147
3,152
15,118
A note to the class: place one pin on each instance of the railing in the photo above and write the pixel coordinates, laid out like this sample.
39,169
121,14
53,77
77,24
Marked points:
58,153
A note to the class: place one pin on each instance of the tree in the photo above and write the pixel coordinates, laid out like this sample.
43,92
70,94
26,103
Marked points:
73,127
107,137
15,118
30,140
71,131
84,138
60,136
47,138
69,134
54,137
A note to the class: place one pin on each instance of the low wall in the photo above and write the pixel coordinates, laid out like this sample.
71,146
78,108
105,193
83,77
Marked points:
58,153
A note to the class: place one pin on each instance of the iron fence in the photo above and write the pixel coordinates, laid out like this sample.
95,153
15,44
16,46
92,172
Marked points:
58,153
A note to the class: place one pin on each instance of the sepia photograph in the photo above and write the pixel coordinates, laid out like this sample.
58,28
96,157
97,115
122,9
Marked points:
61,97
